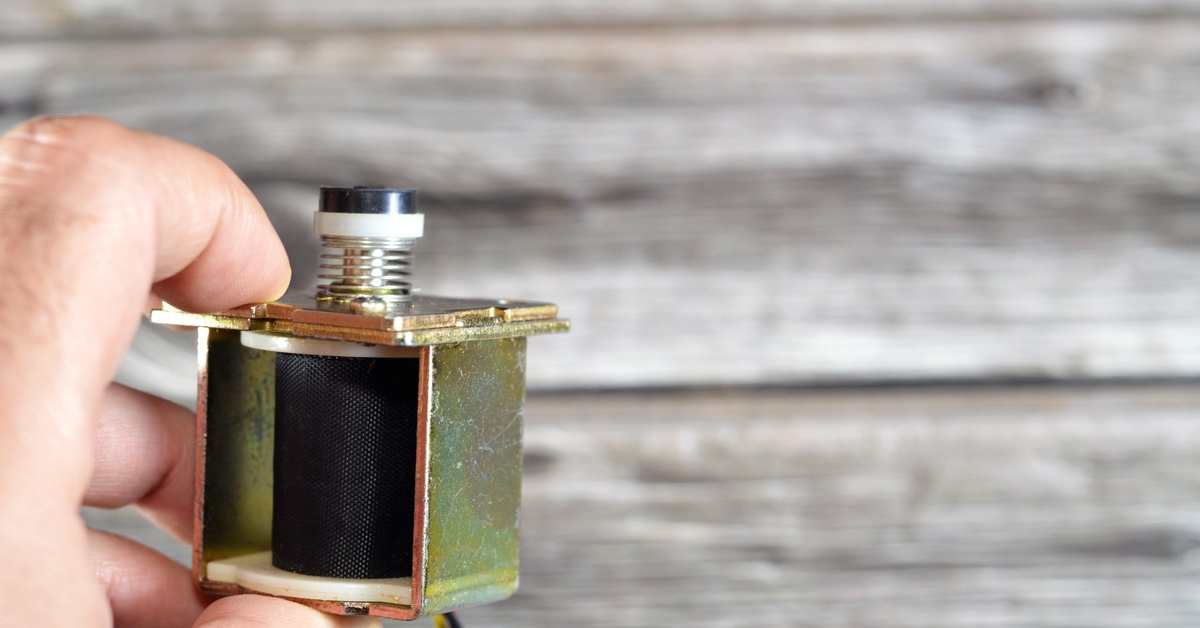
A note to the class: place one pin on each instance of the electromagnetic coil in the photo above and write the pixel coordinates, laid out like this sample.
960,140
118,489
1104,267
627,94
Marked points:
344,465
367,267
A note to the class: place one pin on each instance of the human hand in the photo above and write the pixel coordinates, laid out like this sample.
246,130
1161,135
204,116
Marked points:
96,219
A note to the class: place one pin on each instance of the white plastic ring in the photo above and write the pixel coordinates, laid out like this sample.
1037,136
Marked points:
280,343
256,573
369,225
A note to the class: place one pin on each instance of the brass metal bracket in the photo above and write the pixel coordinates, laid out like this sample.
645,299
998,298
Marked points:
425,320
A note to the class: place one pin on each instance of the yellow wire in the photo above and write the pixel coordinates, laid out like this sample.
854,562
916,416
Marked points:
439,621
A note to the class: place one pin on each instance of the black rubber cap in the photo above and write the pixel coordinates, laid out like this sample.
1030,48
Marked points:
367,200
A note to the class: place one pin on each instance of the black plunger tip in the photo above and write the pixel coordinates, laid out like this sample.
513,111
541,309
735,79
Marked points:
368,200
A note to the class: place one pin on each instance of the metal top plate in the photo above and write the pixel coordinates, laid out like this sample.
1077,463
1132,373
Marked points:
425,320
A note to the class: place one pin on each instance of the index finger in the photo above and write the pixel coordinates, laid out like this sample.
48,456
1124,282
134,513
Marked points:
170,211
92,216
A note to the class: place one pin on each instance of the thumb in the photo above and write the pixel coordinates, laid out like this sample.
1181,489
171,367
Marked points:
257,610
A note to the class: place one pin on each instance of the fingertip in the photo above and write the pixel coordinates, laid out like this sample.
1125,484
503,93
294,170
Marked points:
216,247
245,262
258,610
282,283
281,276
211,284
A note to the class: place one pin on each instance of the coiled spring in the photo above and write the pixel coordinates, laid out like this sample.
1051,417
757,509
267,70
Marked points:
366,267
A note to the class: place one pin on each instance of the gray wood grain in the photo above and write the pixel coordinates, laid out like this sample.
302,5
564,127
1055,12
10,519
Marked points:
122,18
860,507
735,204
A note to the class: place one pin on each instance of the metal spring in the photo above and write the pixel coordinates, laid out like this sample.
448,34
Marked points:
367,267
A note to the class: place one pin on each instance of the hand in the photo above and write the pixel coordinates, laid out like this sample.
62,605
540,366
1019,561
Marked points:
94,220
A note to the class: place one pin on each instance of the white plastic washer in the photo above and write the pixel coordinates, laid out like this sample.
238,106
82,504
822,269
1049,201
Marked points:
369,225
256,573
281,343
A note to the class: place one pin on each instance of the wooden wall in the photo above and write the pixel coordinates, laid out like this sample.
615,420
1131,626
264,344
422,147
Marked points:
715,192
743,202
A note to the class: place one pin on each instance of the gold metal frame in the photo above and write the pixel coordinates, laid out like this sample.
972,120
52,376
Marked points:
470,419
425,320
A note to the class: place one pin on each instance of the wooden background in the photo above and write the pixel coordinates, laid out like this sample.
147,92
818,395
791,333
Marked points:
885,311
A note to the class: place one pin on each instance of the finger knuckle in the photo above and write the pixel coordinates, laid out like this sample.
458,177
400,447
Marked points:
55,144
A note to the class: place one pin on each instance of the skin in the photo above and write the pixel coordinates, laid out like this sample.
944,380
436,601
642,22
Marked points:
96,220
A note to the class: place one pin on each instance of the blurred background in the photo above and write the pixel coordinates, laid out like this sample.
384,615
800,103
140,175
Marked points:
885,312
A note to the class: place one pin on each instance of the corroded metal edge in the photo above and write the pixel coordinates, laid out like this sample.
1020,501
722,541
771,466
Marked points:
427,320
421,485
198,562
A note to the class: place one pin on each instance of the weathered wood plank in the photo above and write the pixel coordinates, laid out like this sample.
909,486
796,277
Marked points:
123,18
564,111
734,205
886,507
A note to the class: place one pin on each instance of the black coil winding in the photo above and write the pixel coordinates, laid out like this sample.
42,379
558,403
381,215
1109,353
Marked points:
345,460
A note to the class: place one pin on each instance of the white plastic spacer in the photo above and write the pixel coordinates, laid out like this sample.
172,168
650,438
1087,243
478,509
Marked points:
256,573
369,225
283,343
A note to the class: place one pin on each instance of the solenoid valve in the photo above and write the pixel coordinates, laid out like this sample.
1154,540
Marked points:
358,446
